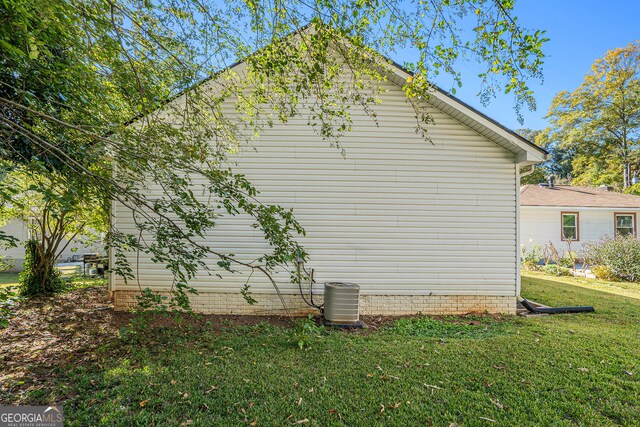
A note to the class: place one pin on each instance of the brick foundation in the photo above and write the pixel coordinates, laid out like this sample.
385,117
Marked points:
270,304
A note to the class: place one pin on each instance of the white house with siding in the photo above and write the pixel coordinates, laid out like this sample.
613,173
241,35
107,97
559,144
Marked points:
564,214
421,226
18,229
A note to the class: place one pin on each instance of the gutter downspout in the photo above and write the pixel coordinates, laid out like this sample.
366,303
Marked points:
519,176
527,173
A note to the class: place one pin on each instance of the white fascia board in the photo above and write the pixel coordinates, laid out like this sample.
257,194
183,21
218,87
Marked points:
526,153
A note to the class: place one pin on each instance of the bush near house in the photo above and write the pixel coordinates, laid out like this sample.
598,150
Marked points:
40,275
621,255
603,272
533,254
556,270
530,266
6,263
566,261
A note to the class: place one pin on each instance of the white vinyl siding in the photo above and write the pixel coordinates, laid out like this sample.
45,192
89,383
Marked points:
542,224
398,215
18,229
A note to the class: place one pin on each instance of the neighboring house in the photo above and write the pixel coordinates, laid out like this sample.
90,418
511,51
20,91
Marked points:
563,214
421,226
18,229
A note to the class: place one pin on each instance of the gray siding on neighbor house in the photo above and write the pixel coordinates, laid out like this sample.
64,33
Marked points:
398,215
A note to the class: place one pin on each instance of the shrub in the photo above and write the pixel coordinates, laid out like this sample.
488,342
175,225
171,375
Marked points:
533,254
530,265
7,300
621,255
40,275
304,330
604,273
6,263
572,255
565,262
556,270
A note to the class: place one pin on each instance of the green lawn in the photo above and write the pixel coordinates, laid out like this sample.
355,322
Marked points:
554,370
628,289
11,279
8,279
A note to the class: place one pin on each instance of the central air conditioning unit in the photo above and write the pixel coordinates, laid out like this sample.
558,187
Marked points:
342,304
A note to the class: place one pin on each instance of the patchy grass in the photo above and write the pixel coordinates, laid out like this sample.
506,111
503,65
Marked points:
74,281
78,281
551,370
8,280
11,301
450,326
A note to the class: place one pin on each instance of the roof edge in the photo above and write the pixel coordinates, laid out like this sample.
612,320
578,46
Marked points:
451,98
456,100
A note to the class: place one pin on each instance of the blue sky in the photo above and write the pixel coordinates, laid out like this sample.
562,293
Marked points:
580,33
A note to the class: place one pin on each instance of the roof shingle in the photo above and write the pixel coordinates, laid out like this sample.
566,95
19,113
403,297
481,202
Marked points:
569,195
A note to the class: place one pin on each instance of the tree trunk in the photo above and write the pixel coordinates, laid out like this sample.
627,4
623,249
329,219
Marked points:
626,171
625,175
40,275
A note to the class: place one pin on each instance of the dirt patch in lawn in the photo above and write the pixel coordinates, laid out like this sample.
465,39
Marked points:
51,332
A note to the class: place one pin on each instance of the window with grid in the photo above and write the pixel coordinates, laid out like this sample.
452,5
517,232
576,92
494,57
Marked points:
625,224
570,226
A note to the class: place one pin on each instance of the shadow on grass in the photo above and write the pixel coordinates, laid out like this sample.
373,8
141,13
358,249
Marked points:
206,370
50,333
556,292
